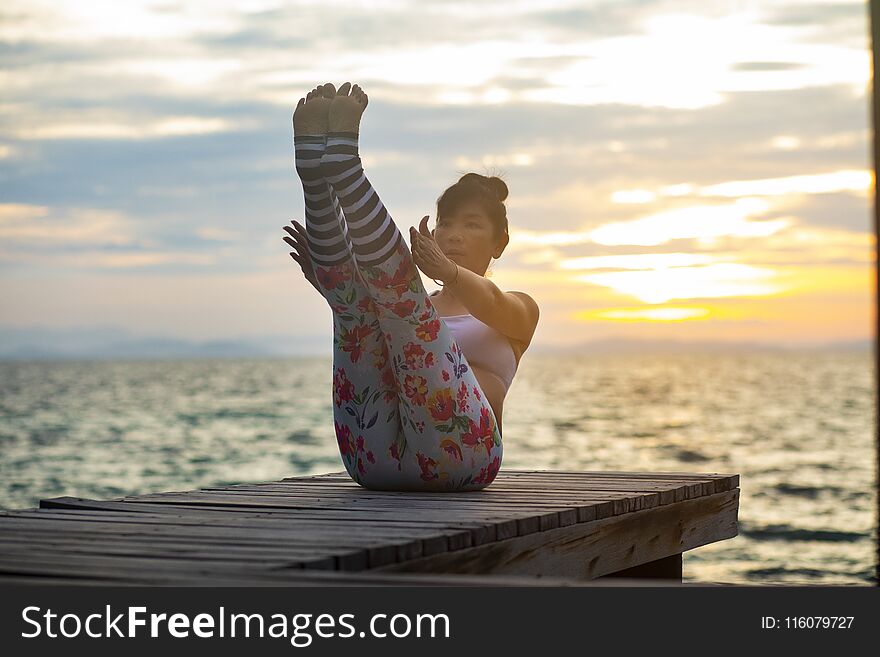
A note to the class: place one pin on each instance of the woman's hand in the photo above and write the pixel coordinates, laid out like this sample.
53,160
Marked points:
300,252
427,254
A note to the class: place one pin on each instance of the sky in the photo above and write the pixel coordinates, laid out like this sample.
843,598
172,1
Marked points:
689,170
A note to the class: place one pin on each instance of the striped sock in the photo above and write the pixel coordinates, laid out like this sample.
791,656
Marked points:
374,235
326,232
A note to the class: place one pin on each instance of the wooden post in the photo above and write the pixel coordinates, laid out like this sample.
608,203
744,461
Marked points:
666,568
875,38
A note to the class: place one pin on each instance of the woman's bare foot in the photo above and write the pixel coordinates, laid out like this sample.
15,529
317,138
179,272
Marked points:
310,116
346,109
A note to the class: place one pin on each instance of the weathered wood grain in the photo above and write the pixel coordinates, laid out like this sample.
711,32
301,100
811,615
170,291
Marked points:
589,550
290,532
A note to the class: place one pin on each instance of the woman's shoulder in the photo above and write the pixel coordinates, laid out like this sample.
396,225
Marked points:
530,303
523,329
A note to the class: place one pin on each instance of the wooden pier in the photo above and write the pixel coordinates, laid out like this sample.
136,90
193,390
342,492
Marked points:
530,527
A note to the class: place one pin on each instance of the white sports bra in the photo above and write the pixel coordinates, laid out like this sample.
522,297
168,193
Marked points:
483,346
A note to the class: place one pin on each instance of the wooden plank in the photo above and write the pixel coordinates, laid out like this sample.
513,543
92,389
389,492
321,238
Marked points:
609,501
709,483
557,495
102,565
210,513
433,537
276,500
347,556
303,553
527,519
352,549
382,527
518,480
481,532
706,486
616,503
303,499
507,492
625,474
589,550
350,554
387,528
518,505
509,472
544,479
218,552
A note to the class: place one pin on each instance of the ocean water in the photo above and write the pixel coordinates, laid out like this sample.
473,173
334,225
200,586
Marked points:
797,427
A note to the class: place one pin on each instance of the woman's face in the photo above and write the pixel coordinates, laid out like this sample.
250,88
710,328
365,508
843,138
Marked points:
467,237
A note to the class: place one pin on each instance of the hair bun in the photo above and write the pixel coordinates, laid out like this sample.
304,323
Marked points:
499,187
495,184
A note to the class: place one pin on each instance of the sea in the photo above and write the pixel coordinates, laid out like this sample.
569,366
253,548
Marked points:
798,427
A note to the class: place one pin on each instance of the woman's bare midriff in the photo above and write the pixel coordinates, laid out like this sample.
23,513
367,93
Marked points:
493,389
490,384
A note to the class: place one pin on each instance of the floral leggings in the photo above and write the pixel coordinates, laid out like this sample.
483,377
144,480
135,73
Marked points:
408,411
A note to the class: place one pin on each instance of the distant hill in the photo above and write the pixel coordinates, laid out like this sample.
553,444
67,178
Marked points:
44,343
632,345
107,342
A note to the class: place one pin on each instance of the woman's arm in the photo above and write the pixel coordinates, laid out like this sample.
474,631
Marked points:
515,314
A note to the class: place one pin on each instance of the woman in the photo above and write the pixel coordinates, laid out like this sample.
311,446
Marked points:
411,411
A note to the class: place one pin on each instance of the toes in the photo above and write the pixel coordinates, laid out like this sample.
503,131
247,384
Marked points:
329,90
359,93
301,101
344,89
366,101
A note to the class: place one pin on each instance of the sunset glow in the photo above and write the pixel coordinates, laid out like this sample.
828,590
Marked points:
710,281
694,222
645,314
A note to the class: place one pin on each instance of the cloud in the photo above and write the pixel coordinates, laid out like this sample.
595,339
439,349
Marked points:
101,19
849,212
600,19
24,226
101,129
638,261
102,260
614,121
89,238
578,157
442,54
767,66
816,14
820,183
